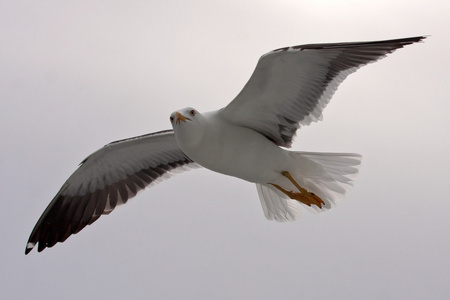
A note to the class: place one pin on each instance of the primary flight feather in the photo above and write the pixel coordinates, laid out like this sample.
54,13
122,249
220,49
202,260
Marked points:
289,88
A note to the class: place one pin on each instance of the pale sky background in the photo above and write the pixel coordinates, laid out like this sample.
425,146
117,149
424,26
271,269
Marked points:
75,75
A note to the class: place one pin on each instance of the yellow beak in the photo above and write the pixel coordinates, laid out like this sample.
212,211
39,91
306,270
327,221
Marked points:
180,117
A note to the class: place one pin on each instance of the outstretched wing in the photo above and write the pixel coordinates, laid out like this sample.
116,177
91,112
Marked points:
291,86
105,179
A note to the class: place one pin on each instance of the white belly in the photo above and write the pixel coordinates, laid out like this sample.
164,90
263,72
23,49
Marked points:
239,152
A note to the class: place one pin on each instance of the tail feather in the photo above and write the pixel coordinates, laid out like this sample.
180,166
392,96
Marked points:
277,206
328,175
337,172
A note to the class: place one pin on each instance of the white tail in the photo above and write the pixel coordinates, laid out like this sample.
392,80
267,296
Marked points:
328,175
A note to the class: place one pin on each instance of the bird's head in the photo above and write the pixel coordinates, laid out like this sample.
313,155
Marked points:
182,116
187,125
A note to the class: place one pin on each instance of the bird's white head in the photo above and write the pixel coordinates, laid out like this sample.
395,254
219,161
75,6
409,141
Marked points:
185,115
182,115
187,124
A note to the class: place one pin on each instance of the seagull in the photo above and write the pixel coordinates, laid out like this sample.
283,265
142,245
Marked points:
247,139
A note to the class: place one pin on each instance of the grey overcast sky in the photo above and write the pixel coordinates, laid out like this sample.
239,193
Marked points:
75,75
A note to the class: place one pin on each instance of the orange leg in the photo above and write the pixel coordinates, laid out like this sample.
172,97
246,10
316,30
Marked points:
304,196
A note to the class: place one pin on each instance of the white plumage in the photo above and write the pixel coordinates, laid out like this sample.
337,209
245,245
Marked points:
247,139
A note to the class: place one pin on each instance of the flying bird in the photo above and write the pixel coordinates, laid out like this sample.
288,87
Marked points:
246,139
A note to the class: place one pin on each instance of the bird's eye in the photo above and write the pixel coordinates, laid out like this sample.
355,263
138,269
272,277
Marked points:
171,119
192,112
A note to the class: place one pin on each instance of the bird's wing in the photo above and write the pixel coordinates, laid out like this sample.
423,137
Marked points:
105,179
291,86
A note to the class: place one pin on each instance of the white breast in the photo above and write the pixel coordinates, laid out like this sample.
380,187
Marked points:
234,151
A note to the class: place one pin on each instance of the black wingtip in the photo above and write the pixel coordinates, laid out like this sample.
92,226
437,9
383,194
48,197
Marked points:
399,43
414,39
408,41
29,247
